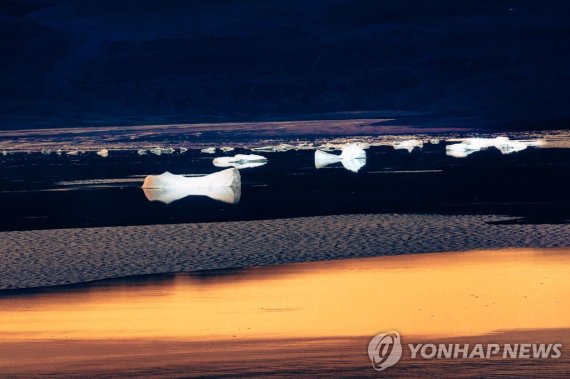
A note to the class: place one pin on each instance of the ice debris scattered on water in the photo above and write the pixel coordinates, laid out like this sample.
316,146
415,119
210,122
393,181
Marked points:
208,150
241,161
223,186
472,145
104,153
274,149
141,152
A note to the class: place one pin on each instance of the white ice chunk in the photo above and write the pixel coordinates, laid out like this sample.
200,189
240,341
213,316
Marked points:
141,152
183,150
103,153
353,165
508,147
472,145
353,158
223,186
73,152
434,141
208,150
353,151
409,145
241,161
227,149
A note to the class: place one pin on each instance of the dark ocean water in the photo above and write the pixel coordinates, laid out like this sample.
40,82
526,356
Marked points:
85,190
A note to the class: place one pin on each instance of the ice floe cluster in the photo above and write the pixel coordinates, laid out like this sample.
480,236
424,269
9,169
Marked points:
503,144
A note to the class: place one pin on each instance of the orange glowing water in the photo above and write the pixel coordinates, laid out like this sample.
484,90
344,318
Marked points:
446,294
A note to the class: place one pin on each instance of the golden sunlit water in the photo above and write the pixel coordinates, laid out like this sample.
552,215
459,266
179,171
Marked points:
445,294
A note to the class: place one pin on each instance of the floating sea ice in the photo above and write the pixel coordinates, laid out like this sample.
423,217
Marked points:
73,152
58,152
46,151
508,147
227,149
141,152
353,165
353,151
183,150
223,186
156,151
472,145
241,161
208,150
353,158
103,153
434,141
409,145
274,149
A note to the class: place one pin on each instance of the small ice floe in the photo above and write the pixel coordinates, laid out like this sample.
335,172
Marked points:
141,152
160,151
4,153
223,186
104,153
472,145
183,150
241,161
226,149
208,150
434,141
46,151
274,149
58,151
353,158
409,145
73,152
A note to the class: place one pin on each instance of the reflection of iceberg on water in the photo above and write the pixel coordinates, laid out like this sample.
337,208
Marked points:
241,161
353,158
472,145
409,145
223,186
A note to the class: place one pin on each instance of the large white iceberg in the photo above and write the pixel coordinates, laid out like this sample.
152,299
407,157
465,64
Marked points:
223,186
472,145
241,161
353,158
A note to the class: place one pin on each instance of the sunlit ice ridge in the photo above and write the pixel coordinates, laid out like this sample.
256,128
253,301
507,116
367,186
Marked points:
273,135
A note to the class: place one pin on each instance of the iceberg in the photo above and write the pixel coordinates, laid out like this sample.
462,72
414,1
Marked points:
472,145
103,153
409,145
353,158
223,186
241,161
